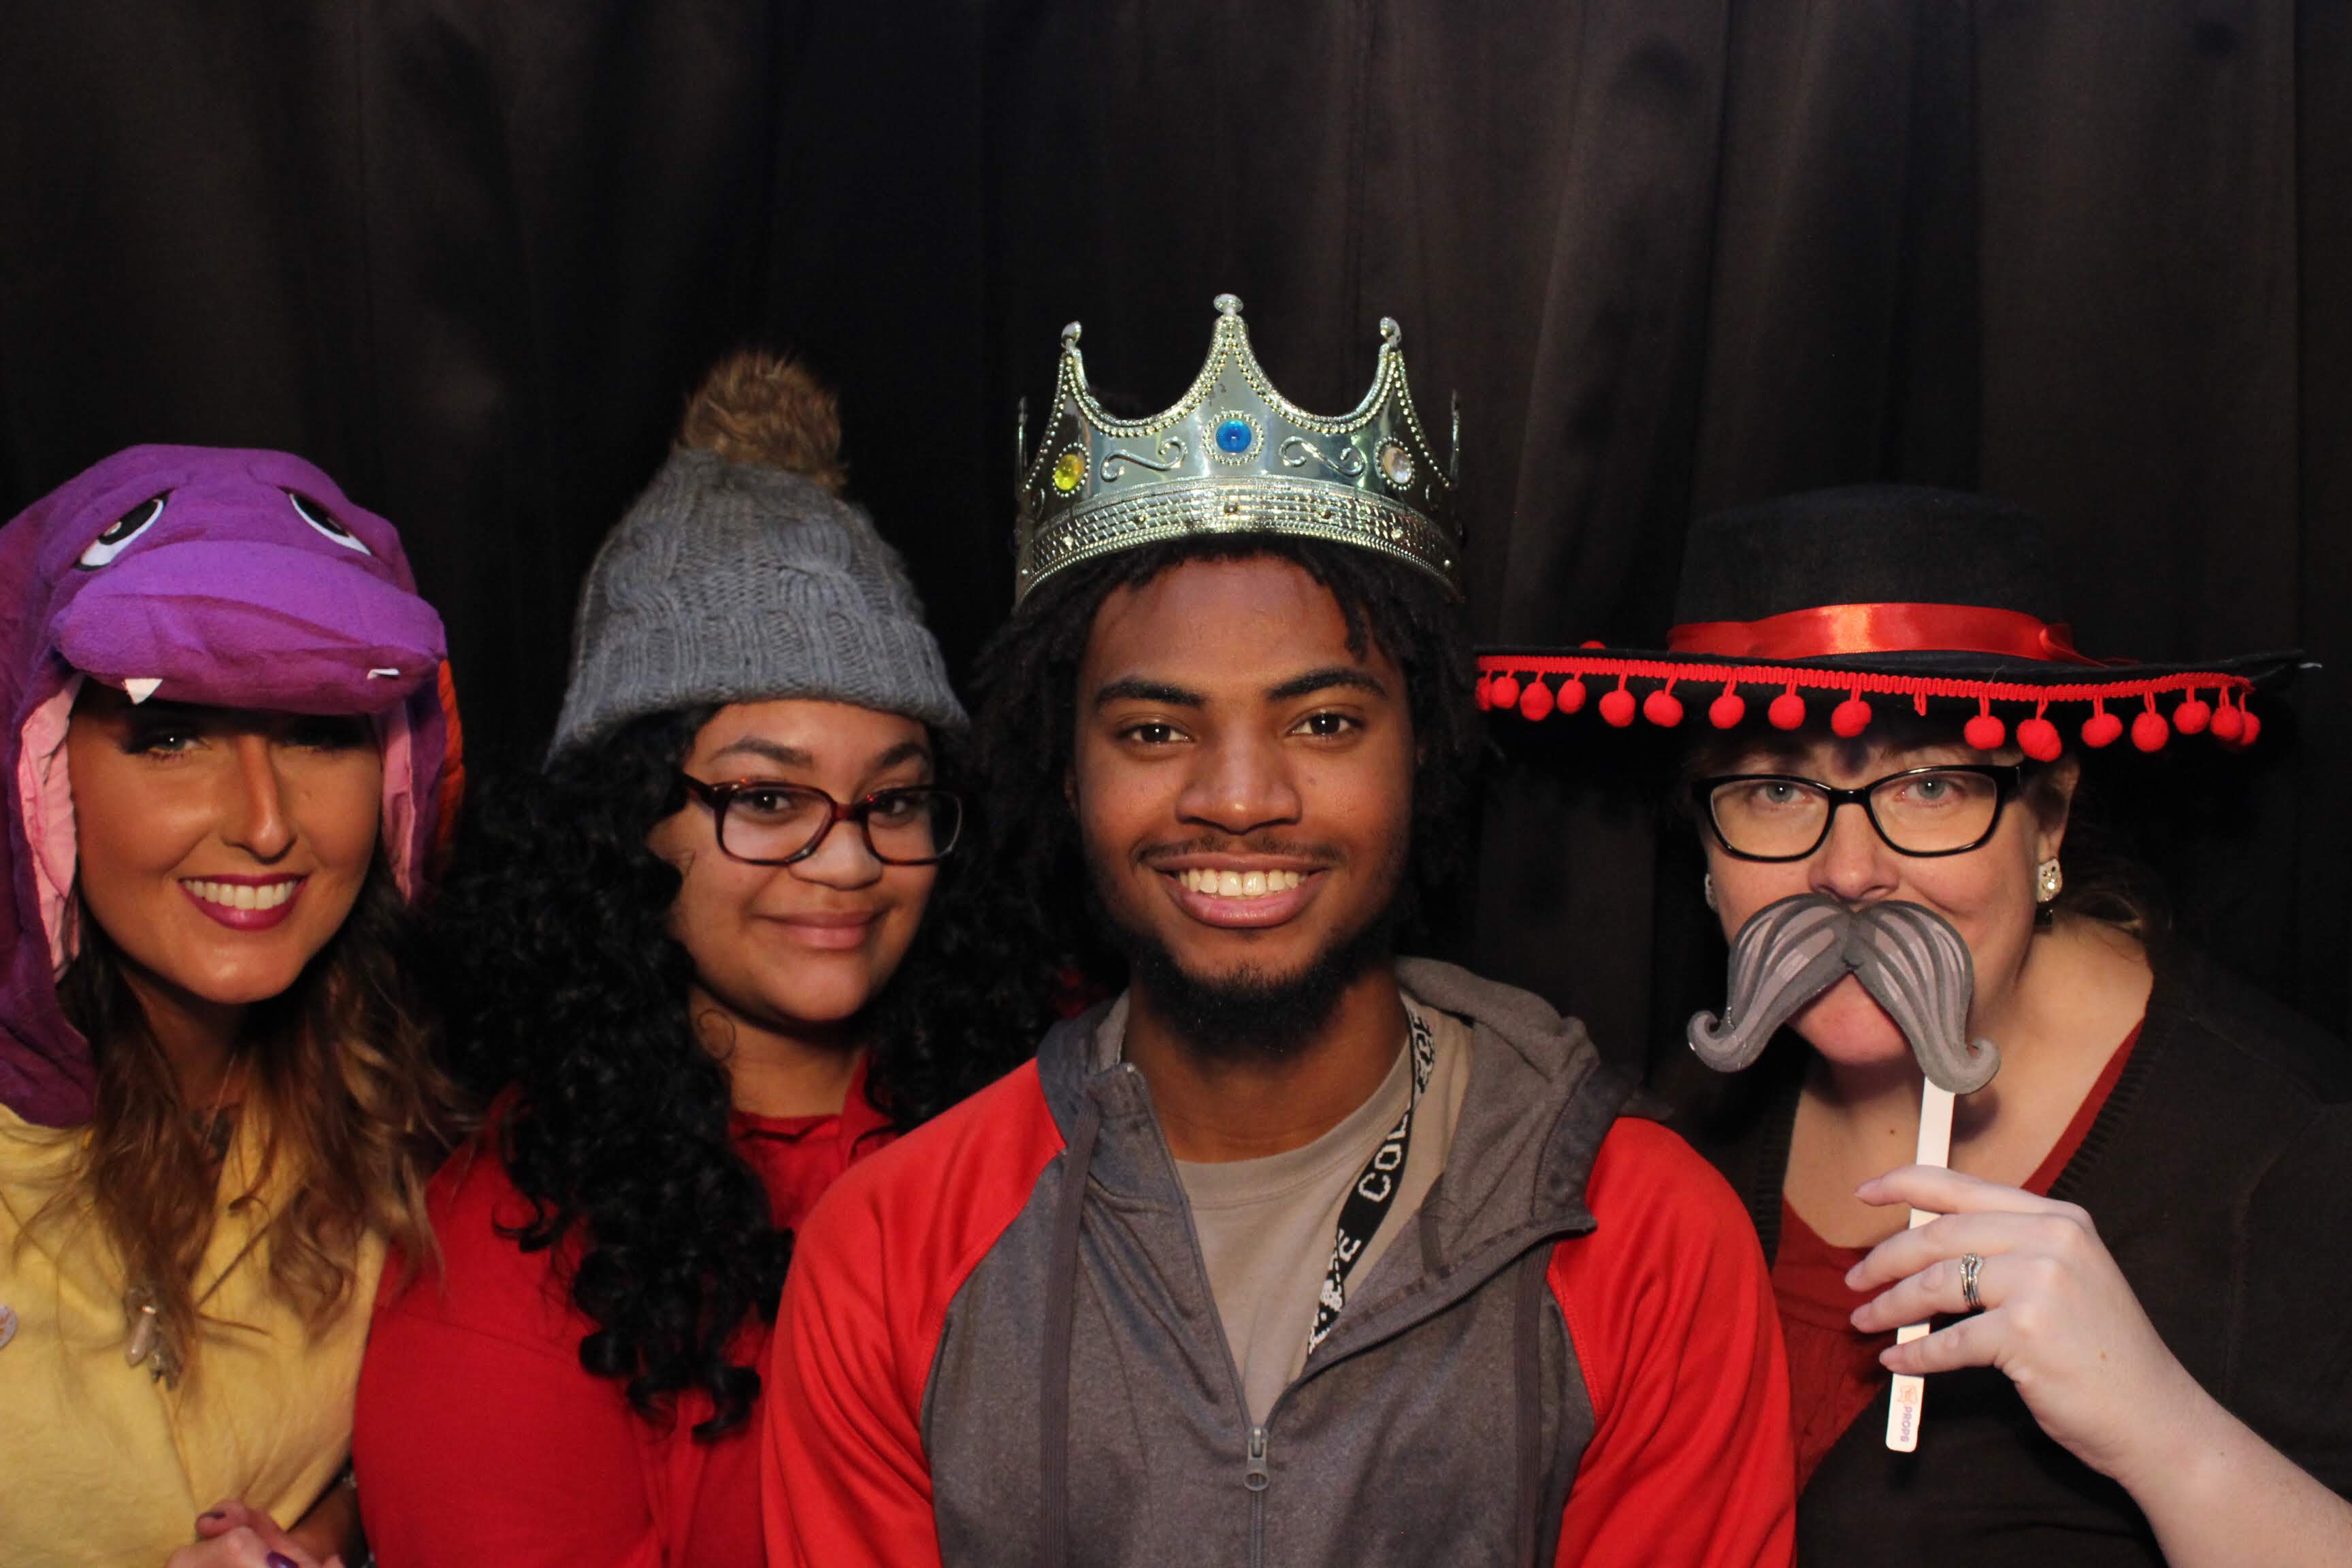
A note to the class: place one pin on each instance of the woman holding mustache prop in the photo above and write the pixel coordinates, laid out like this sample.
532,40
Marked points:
2141,1346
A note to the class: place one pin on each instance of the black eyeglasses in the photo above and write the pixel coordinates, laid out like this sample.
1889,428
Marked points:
1921,812
769,823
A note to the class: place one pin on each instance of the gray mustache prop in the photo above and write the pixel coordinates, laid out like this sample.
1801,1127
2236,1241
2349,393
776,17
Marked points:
1909,959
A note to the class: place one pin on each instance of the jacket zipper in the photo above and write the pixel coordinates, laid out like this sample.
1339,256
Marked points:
1257,1474
1256,1477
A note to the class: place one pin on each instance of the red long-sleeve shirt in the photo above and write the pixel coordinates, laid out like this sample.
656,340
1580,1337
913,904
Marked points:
481,1439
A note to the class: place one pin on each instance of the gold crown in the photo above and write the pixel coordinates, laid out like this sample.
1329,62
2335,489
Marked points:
1233,456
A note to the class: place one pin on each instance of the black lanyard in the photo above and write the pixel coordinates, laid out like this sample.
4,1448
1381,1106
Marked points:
1374,1194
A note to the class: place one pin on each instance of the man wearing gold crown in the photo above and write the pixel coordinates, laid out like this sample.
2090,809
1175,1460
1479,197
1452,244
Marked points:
1296,1251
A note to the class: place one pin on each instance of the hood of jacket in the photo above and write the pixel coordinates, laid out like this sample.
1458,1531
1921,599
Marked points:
1521,1151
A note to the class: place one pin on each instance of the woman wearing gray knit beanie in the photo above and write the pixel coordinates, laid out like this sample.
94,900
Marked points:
676,960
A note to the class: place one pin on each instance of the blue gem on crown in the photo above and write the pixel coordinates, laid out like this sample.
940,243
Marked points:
1233,456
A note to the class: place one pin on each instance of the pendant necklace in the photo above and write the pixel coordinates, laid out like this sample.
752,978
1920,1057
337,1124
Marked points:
139,1303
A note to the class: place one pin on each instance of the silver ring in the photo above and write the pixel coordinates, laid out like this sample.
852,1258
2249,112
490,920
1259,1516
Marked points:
1971,1264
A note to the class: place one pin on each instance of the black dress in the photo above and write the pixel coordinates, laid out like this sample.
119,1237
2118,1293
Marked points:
2220,1175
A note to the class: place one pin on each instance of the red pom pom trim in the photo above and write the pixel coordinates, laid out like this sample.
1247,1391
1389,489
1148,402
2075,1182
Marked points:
1617,707
1480,695
1984,732
2101,728
1535,702
2038,738
1505,682
1663,708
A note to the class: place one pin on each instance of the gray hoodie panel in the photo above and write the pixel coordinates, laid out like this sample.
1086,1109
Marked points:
1399,1444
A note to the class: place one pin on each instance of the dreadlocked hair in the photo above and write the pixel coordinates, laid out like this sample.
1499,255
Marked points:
1026,681
568,993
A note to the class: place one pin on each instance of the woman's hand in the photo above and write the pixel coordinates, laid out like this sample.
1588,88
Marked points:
2059,1319
231,1535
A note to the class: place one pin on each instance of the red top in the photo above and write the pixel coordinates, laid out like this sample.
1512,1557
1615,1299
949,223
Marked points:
1666,1301
480,1438
1833,1372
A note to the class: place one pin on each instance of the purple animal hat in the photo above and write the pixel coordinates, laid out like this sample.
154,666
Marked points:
242,579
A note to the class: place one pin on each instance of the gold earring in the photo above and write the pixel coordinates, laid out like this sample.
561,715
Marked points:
1706,882
2049,881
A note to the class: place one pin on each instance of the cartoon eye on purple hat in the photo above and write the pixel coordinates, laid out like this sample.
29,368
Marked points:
224,577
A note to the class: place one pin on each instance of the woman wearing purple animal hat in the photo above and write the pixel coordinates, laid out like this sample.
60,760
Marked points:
2139,1349
231,751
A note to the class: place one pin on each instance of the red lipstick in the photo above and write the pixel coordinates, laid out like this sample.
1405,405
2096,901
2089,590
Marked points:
242,903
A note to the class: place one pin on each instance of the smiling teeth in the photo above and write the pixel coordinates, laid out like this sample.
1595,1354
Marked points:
1239,884
242,895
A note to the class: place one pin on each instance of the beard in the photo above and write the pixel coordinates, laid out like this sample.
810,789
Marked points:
1250,1012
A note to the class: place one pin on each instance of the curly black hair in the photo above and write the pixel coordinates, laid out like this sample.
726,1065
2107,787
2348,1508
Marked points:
1026,680
566,992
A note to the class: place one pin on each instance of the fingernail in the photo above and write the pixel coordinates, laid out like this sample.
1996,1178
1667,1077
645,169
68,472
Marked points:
279,1559
210,1514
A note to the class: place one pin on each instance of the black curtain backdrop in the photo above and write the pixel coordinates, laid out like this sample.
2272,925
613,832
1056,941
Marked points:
2094,255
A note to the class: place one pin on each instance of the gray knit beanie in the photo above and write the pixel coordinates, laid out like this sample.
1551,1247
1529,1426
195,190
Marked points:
739,577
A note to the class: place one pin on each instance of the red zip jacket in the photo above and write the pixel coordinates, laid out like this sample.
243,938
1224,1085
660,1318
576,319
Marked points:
999,1345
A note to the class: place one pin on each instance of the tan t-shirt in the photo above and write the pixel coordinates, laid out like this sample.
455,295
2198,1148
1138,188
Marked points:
1266,1225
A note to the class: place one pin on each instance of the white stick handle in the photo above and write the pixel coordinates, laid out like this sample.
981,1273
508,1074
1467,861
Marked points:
1910,1392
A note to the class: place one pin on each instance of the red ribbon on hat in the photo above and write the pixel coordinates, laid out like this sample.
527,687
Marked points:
1827,630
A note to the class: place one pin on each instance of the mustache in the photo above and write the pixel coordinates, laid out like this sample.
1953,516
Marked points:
1908,958
1271,846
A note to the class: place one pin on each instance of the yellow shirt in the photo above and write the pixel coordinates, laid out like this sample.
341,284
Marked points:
100,1462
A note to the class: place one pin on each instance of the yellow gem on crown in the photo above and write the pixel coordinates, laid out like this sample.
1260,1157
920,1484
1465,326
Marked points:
1068,470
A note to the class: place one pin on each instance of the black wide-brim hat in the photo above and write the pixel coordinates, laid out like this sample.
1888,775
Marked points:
1883,595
